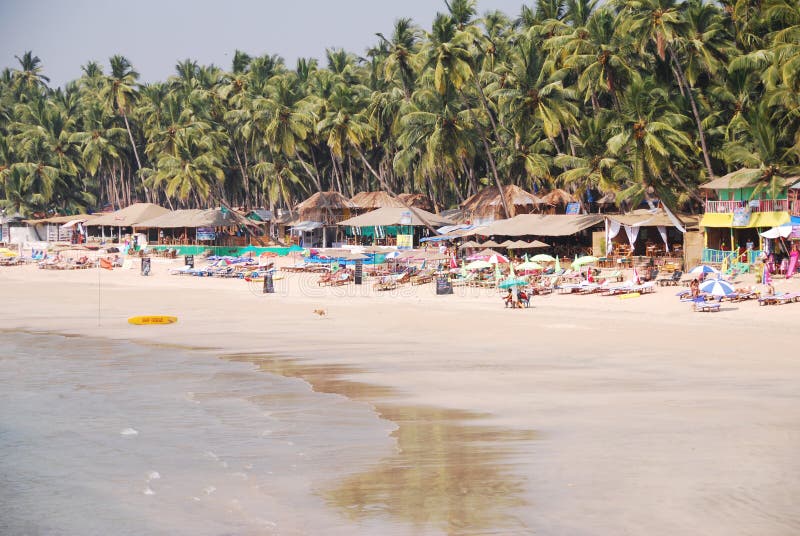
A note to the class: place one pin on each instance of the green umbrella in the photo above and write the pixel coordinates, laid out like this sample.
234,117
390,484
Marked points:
582,261
511,270
557,267
513,282
542,257
478,265
463,270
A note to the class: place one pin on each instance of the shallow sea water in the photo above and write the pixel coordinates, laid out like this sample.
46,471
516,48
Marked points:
103,437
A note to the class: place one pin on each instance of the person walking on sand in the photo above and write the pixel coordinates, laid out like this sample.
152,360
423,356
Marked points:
792,261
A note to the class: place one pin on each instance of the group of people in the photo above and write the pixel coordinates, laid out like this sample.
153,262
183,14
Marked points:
518,301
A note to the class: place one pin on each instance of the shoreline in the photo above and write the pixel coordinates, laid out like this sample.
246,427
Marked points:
643,410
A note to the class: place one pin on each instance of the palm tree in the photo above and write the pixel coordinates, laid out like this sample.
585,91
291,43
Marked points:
648,139
119,95
401,50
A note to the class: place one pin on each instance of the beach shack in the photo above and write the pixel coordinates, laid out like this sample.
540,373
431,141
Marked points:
115,225
487,205
739,207
317,219
416,201
569,234
655,236
393,226
61,228
198,227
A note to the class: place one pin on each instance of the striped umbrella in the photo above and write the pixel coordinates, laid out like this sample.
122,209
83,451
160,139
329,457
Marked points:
704,269
717,287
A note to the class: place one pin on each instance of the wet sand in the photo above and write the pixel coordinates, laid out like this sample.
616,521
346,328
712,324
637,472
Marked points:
582,415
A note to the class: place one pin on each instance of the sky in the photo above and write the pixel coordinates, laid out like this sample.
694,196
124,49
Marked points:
155,34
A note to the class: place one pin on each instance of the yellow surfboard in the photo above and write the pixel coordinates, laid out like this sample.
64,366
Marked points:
152,319
629,295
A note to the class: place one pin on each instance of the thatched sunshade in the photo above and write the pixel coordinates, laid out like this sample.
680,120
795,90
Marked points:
486,253
488,202
373,200
507,244
537,244
416,201
558,197
490,244
519,244
470,244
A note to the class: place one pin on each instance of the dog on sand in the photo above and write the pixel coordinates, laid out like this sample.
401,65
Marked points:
320,312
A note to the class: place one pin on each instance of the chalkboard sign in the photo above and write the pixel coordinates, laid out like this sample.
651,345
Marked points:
269,284
188,260
359,275
443,285
145,266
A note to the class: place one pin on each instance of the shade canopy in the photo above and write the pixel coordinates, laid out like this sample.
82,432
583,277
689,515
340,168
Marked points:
470,244
544,224
189,218
542,257
387,216
717,287
128,216
325,200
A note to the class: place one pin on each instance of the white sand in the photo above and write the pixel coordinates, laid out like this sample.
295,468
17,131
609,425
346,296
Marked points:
650,418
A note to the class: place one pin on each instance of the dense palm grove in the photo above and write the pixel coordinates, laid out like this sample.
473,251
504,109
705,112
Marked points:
640,98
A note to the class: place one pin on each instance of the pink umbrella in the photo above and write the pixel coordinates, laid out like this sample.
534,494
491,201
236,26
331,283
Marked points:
498,259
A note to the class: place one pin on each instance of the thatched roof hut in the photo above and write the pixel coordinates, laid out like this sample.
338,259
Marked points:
416,201
373,200
326,207
559,197
487,203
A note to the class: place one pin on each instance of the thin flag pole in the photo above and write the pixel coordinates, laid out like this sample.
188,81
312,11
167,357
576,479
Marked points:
98,292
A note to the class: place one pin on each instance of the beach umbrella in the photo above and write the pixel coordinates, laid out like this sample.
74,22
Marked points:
497,274
392,254
478,265
704,269
717,287
294,248
498,259
463,270
542,257
529,265
513,282
582,261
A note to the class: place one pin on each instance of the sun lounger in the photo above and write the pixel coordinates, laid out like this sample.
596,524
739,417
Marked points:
672,280
707,307
616,290
778,299
422,277
644,288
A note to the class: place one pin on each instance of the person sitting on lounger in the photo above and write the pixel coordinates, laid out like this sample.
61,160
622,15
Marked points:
695,288
522,298
508,299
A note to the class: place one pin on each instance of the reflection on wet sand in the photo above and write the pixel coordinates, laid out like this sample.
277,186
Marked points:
450,472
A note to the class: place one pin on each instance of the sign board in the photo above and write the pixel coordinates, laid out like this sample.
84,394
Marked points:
741,216
795,232
359,273
206,234
573,208
145,266
405,241
443,285
188,260
405,217
269,284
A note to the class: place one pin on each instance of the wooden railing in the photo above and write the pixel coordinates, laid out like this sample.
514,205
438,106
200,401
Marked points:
757,205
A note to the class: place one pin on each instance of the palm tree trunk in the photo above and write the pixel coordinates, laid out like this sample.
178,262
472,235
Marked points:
486,145
245,178
700,132
314,178
135,151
